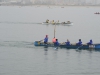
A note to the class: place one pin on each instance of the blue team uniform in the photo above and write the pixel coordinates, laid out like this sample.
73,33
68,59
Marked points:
56,43
90,43
67,43
79,43
46,40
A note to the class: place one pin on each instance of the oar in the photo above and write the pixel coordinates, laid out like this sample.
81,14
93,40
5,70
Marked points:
41,40
79,47
56,48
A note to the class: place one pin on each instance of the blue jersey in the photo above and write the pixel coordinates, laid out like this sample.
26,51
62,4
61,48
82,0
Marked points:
90,43
56,43
79,43
67,43
46,39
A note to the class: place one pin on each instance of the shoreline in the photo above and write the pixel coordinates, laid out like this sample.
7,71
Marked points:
56,5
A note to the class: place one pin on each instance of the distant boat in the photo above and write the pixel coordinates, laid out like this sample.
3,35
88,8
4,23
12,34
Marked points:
55,23
97,13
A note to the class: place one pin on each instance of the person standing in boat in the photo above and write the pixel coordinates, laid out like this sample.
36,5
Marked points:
90,43
54,40
79,43
68,42
46,39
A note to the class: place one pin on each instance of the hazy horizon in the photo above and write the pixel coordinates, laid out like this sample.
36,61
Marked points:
50,2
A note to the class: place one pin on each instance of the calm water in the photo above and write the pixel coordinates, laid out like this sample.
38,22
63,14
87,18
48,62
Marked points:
21,26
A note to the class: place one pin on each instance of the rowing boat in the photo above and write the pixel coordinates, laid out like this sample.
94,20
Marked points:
72,46
62,23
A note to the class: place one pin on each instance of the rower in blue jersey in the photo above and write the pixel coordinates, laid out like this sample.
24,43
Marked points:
46,39
79,43
68,42
90,43
56,43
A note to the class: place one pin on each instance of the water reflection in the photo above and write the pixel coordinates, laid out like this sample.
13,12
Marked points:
67,51
78,50
56,48
45,51
55,56
97,50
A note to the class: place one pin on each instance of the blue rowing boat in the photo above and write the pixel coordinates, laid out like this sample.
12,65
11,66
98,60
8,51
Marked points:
72,46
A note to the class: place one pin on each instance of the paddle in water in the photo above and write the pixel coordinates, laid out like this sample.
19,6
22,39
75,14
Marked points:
56,48
79,47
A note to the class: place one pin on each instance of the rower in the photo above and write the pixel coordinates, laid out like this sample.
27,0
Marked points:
68,42
56,43
46,39
47,21
53,21
90,43
79,43
68,21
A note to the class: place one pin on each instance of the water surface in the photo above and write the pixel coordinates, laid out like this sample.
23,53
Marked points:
21,26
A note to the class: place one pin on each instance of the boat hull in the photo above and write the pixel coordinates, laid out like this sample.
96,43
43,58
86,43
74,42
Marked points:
50,44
